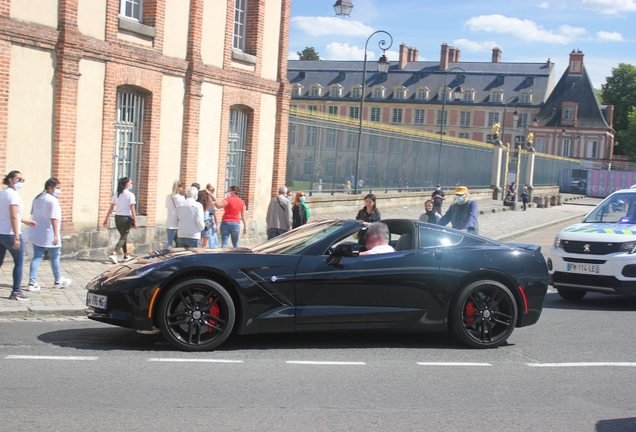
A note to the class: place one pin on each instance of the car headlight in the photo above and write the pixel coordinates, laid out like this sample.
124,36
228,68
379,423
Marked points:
140,272
629,247
557,242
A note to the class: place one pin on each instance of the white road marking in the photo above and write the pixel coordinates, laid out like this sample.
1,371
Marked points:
329,363
583,364
178,360
452,364
34,357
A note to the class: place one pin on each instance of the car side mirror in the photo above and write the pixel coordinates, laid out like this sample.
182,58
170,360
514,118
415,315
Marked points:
341,251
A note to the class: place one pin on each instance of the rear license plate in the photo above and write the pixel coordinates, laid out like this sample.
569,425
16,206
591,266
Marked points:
584,268
96,300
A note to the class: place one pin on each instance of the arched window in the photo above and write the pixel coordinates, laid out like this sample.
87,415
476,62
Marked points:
400,93
469,95
449,95
236,147
496,96
525,97
422,94
316,90
297,90
129,117
356,92
378,92
335,91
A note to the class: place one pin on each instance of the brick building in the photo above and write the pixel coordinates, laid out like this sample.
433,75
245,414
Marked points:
156,90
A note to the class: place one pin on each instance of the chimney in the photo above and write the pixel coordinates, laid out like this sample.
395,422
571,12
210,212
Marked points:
548,63
576,63
443,61
416,54
451,54
496,55
609,115
457,54
404,52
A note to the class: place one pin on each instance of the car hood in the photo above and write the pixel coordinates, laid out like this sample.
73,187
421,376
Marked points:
600,232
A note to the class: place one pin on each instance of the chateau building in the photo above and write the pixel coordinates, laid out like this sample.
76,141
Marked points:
155,90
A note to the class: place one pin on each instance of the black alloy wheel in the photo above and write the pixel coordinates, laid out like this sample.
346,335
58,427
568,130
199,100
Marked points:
484,314
571,293
196,315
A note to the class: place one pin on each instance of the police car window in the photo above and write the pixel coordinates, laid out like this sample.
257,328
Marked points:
619,208
434,238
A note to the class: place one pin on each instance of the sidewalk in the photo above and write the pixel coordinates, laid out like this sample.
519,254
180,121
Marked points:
70,301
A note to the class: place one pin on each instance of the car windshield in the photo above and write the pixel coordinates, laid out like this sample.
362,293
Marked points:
618,208
293,242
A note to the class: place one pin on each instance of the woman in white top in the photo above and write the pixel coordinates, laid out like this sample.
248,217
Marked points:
47,213
125,216
10,235
174,200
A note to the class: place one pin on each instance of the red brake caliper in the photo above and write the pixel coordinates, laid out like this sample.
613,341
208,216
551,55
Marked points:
470,309
214,311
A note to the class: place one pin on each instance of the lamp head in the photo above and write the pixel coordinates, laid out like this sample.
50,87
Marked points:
343,7
383,64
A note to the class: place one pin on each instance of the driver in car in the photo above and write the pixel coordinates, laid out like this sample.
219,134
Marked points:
377,239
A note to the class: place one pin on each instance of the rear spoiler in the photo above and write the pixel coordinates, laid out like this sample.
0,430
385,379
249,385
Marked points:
525,246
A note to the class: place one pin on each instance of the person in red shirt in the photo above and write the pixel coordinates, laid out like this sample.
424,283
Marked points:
234,207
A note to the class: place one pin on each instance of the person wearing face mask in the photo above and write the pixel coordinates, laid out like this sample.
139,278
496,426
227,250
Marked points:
300,212
125,216
46,235
438,198
430,216
279,214
10,235
462,214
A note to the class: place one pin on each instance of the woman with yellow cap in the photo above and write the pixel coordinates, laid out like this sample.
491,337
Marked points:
462,214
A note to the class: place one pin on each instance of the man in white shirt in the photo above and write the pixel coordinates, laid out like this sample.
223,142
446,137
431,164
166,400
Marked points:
377,239
190,220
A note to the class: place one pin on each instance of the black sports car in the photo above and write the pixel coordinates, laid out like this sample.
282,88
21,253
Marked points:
313,279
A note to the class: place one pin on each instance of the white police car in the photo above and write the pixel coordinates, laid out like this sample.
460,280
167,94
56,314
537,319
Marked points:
598,254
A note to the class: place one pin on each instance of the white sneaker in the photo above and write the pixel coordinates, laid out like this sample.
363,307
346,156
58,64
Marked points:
64,282
127,258
33,287
113,258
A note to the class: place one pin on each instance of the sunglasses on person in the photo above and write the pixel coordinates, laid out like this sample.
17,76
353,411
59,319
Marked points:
19,180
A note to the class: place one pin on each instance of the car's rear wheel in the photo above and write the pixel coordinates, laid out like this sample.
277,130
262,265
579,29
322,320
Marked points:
484,314
571,294
196,315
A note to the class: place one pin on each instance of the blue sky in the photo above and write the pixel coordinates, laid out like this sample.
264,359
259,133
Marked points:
526,31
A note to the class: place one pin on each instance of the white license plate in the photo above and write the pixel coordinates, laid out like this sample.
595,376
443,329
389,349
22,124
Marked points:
96,300
584,268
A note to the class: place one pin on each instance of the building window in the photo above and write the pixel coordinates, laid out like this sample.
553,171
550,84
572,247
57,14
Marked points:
439,117
419,117
520,141
397,115
490,138
565,148
333,110
128,137
352,140
496,97
311,136
315,91
292,135
312,107
524,98
422,94
240,14
354,112
464,135
540,145
377,93
351,167
493,117
592,149
568,113
464,119
373,143
330,167
355,92
399,93
375,114
448,94
236,148
335,91
332,136
296,91
132,9
309,165
523,120
468,96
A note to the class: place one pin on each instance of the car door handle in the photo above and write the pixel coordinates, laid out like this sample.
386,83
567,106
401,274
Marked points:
438,255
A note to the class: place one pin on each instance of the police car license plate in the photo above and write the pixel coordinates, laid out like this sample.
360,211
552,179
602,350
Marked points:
584,268
96,300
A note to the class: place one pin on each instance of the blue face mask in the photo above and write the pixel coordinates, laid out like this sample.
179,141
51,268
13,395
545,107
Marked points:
130,187
57,192
18,185
460,199
302,198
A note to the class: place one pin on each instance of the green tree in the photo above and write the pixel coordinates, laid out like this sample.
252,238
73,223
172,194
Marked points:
627,137
620,90
308,53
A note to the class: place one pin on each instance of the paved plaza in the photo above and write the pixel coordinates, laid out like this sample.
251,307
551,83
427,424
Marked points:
50,303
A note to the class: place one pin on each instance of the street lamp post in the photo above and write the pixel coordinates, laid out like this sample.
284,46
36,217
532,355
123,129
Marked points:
383,67
458,90
343,7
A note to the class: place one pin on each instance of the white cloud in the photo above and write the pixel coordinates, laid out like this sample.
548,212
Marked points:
610,7
395,56
329,26
291,55
544,5
344,51
472,46
526,30
604,36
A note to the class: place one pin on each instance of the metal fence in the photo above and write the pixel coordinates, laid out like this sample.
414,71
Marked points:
547,168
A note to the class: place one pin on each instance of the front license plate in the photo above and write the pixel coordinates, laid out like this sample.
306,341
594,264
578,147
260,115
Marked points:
96,300
584,268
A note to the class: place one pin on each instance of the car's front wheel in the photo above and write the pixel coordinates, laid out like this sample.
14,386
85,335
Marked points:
571,294
484,314
196,315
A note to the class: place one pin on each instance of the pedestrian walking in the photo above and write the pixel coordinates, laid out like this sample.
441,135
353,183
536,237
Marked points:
300,212
213,239
279,214
430,215
234,208
10,235
205,200
438,198
462,214
47,214
190,220
525,197
123,202
369,213
173,200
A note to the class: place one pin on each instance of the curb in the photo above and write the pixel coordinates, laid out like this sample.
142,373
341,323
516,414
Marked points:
536,228
42,311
